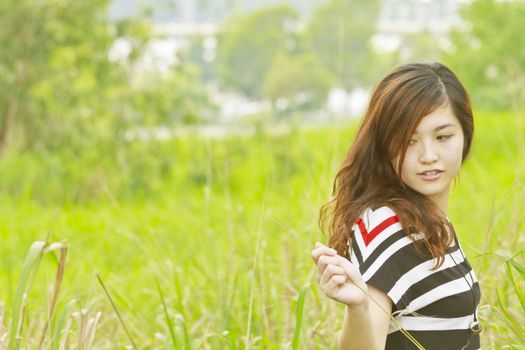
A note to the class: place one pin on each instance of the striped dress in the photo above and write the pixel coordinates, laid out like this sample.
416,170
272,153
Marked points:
435,306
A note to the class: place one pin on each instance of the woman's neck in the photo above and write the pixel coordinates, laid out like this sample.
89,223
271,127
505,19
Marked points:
441,201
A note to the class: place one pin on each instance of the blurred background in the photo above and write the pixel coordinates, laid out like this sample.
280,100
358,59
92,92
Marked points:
183,149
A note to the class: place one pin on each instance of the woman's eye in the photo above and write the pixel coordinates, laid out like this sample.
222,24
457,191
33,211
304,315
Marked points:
444,137
412,142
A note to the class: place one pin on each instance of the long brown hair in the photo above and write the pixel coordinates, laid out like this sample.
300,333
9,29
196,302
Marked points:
367,177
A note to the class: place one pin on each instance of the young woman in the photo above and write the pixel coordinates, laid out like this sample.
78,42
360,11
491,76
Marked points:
395,260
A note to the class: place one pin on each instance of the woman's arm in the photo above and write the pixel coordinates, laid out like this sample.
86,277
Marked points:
366,326
365,323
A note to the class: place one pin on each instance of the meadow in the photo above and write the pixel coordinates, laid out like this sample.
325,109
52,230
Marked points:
205,243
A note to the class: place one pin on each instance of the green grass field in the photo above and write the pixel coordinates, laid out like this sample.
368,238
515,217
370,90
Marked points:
226,228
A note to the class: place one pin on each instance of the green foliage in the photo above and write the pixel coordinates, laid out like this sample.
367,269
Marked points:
299,316
187,212
59,52
200,52
489,53
339,34
51,331
419,46
169,98
267,54
61,91
300,78
249,44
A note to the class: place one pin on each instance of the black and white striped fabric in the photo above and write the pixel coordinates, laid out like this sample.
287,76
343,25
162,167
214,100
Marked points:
435,306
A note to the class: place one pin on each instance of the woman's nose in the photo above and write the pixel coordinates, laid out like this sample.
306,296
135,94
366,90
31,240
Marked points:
428,154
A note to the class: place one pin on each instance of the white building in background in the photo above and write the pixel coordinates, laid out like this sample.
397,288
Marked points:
160,53
399,17
177,21
180,19
402,16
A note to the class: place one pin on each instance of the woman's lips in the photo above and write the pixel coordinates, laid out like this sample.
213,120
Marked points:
430,175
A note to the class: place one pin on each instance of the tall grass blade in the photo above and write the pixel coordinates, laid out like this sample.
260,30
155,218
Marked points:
92,328
520,268
254,269
315,293
488,236
507,317
515,347
58,326
29,267
58,282
179,302
169,321
64,343
517,288
2,330
299,317
233,332
187,342
116,311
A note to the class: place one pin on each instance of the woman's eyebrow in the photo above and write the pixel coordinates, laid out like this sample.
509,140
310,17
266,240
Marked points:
443,127
440,127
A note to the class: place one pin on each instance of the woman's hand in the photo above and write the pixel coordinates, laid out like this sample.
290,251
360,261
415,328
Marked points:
338,278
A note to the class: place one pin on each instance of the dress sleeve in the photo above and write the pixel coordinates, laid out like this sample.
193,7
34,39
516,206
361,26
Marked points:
382,250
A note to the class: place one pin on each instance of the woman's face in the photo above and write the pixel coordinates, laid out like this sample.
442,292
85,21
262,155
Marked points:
434,155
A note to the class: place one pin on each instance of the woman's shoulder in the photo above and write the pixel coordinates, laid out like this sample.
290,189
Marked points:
374,215
376,224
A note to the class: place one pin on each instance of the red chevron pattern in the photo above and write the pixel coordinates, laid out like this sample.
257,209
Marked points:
369,236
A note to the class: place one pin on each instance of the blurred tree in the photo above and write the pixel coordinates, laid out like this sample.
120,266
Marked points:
53,57
201,51
171,98
339,34
60,90
249,44
299,80
489,52
420,46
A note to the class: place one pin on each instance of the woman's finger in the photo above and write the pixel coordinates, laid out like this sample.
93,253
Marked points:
336,281
351,270
331,288
324,260
321,250
330,271
319,244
